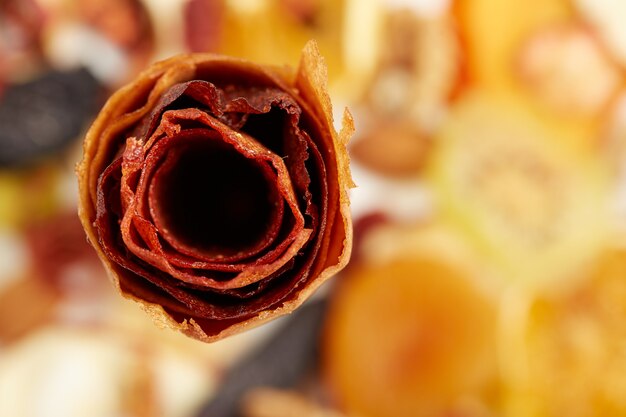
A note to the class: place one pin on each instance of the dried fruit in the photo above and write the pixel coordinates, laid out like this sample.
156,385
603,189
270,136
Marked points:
215,190
410,330
536,210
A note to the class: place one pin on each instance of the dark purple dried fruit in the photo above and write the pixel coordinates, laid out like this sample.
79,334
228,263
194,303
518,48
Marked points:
43,116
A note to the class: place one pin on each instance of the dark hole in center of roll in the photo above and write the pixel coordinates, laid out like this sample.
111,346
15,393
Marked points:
215,199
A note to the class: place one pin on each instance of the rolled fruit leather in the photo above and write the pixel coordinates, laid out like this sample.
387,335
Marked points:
215,190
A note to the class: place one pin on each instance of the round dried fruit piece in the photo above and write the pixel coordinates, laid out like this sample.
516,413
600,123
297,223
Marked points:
536,210
215,190
43,116
410,331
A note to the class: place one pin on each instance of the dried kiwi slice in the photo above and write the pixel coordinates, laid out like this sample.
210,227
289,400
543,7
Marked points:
536,210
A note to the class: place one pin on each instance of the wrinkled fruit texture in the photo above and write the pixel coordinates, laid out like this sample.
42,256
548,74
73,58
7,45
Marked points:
215,190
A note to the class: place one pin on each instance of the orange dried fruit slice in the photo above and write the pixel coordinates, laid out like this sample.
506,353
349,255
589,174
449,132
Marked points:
410,331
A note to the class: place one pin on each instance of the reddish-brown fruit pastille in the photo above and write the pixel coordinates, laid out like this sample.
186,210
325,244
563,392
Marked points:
216,190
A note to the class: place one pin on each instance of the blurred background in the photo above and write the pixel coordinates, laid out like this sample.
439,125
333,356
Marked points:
488,276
